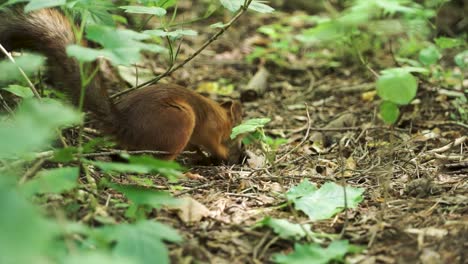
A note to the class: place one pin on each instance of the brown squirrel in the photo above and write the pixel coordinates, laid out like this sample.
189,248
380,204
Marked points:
162,117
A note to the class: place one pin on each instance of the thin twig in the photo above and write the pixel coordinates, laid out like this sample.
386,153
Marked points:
457,142
309,124
241,11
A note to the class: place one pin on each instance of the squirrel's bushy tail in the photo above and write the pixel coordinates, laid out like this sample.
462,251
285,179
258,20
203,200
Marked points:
48,32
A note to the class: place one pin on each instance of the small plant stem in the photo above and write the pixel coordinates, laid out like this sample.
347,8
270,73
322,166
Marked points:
345,196
363,61
241,11
84,82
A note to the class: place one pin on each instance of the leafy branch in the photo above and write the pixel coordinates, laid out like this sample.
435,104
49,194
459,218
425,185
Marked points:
170,70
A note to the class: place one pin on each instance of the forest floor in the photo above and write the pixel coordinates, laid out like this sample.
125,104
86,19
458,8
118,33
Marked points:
415,206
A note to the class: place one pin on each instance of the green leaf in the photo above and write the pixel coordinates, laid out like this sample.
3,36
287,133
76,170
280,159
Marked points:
429,56
416,69
389,112
21,91
260,7
326,201
249,126
150,10
169,169
315,254
110,37
52,181
65,154
142,242
39,4
461,59
392,6
96,11
135,75
96,143
142,165
286,229
234,5
218,25
24,234
121,46
85,54
98,258
172,34
145,196
304,188
29,63
448,43
120,167
31,115
397,86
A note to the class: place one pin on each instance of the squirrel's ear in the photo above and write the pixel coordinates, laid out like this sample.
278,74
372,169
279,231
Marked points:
234,110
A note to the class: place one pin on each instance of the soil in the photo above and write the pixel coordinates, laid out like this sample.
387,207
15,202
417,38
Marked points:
415,207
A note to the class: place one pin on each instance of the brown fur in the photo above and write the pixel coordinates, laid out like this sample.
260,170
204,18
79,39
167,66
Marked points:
163,117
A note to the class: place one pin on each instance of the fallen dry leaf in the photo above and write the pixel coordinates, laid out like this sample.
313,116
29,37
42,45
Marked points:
190,210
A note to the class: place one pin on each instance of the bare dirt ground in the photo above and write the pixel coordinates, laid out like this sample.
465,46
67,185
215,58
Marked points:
415,174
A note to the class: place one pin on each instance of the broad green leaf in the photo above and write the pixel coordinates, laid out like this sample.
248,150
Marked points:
398,86
249,126
448,43
260,7
145,196
167,3
315,254
142,241
327,201
416,69
120,46
135,75
150,10
172,34
96,143
98,258
85,54
96,11
232,5
142,165
286,229
326,31
256,5
302,189
39,4
461,59
65,154
169,169
21,91
110,37
392,6
29,63
52,181
32,115
24,234
389,112
120,167
429,55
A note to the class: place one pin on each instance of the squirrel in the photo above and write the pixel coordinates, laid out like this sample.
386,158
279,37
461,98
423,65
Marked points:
161,117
